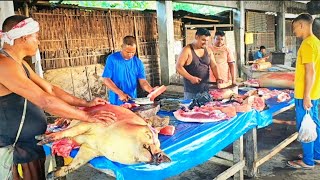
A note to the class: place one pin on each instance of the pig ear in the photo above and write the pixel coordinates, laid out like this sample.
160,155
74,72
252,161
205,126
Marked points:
165,158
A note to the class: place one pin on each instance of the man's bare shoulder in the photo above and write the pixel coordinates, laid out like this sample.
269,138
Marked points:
8,66
4,63
186,49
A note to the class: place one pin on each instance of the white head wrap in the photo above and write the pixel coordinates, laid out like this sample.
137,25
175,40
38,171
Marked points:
23,28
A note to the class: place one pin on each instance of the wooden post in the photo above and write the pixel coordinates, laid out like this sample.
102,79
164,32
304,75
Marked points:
238,157
113,40
26,9
136,35
166,40
251,152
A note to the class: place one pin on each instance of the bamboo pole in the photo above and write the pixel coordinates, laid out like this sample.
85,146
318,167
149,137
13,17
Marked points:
136,36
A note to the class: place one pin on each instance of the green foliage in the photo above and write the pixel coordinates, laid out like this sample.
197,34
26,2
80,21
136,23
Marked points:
142,5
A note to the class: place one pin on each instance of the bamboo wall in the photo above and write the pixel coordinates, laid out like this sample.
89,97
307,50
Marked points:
76,37
262,26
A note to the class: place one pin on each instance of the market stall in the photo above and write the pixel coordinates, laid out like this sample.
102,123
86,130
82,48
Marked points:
195,143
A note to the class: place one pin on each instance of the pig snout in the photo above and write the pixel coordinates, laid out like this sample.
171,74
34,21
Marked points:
157,159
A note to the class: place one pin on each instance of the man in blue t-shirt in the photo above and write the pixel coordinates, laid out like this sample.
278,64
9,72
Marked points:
123,72
261,54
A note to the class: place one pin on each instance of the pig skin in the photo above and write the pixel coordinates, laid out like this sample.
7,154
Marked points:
129,140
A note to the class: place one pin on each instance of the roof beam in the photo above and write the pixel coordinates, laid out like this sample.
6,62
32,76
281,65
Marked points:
201,19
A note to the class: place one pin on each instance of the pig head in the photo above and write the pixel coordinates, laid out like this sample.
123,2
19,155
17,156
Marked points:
130,140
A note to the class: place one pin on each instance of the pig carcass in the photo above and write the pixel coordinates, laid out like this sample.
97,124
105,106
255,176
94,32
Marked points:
129,140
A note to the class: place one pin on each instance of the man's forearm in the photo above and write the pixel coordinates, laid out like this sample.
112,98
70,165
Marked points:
68,98
144,84
110,84
59,107
215,72
232,71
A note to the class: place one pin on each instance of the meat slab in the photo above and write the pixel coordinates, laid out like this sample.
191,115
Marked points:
273,80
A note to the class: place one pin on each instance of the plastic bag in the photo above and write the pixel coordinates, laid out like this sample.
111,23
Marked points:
6,162
307,131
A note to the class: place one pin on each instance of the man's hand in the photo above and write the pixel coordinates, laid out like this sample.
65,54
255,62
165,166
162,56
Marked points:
195,80
103,117
62,122
124,97
97,101
307,103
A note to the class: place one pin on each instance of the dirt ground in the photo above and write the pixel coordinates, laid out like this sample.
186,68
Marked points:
274,169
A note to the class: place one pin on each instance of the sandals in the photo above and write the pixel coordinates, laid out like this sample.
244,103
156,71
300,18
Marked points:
317,162
298,164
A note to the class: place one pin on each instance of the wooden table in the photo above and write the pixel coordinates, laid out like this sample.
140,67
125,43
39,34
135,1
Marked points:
253,161
254,74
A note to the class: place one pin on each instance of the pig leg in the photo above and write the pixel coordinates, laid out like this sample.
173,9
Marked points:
78,129
84,155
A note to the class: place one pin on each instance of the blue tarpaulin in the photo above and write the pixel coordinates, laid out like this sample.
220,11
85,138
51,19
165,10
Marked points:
192,144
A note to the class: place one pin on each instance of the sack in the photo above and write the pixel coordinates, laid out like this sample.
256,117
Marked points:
308,129
6,162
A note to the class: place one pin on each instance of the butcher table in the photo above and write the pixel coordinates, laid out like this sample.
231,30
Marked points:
195,143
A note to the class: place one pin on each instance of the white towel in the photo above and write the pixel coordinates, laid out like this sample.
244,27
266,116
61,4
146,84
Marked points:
36,59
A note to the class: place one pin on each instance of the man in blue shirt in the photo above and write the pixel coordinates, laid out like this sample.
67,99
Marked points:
261,54
123,72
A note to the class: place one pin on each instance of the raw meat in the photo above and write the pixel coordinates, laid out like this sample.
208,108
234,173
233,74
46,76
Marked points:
129,105
242,107
256,102
155,93
283,97
277,80
199,115
224,84
261,66
63,147
218,94
230,111
168,130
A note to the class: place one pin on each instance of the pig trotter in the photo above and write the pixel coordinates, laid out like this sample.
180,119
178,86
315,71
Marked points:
40,137
45,140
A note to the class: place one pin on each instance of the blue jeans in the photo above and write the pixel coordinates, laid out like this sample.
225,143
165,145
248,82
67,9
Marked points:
311,151
189,96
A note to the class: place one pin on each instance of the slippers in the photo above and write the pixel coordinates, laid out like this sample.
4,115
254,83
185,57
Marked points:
317,162
298,164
